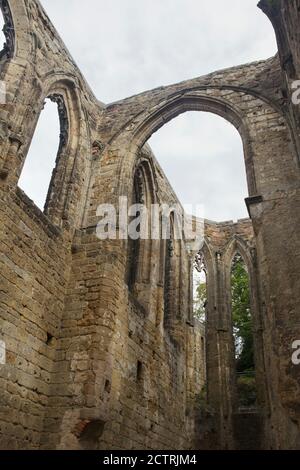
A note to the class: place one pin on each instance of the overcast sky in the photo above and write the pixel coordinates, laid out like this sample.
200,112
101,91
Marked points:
124,47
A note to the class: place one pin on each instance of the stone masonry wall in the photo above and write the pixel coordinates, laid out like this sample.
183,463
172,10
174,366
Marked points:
91,361
35,253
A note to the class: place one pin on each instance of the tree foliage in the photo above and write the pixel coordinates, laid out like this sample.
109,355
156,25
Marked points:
242,327
241,316
200,301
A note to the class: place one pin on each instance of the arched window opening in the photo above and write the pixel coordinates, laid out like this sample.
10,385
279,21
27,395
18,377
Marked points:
50,134
199,288
243,333
199,312
203,170
7,35
172,275
133,249
139,229
2,35
171,270
168,284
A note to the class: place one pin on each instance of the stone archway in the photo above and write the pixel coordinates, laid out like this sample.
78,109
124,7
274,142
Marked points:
267,142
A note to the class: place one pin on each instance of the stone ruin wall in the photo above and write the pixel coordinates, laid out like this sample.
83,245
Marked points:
88,363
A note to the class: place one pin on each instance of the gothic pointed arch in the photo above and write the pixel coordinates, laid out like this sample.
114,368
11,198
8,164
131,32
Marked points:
139,248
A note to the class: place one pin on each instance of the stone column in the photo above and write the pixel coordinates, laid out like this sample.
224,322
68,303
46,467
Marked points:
219,352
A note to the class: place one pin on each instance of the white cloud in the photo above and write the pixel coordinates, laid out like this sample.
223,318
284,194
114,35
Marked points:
124,47
202,155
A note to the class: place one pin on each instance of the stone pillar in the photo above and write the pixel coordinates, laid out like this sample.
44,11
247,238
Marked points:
219,352
277,225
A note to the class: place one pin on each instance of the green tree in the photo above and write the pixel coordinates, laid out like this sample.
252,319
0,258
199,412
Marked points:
200,301
241,316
